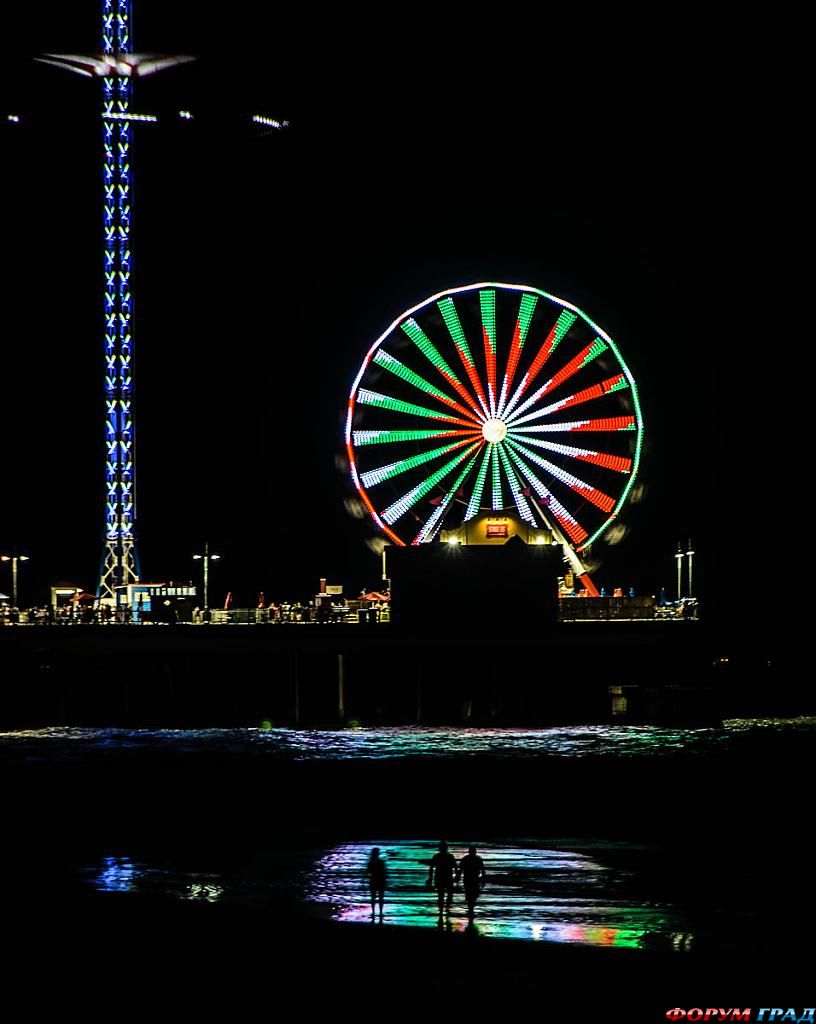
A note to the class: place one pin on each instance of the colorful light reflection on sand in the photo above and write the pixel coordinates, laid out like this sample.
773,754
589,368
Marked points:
121,874
531,893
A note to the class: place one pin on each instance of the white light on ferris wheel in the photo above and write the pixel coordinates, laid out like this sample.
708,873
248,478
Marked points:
494,430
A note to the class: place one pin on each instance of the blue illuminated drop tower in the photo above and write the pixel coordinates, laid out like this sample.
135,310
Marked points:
120,561
117,65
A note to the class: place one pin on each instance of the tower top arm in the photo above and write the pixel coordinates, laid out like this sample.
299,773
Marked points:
114,65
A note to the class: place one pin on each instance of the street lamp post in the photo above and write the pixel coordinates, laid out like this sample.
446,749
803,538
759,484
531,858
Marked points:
206,558
690,556
679,558
14,559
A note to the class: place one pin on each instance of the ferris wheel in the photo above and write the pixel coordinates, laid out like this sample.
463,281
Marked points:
470,402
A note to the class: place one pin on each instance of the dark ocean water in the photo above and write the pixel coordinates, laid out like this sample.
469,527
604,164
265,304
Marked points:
627,837
581,741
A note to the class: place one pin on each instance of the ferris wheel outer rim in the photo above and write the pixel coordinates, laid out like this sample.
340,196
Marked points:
638,415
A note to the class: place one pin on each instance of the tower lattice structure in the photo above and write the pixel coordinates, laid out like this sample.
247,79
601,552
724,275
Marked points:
119,561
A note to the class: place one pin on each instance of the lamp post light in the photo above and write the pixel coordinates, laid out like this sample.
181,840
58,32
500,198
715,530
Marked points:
386,582
14,559
690,556
679,558
206,558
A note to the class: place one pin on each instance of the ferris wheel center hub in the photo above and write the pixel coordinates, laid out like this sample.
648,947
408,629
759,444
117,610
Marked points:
494,430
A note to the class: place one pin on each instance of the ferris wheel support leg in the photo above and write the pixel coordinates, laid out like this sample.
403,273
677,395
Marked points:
570,556
589,586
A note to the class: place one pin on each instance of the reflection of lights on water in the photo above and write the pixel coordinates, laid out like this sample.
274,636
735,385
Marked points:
592,935
541,894
208,892
566,741
589,741
117,875
120,874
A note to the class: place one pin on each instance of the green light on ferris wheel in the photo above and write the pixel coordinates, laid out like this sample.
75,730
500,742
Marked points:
363,437
365,397
487,302
427,347
478,488
526,310
376,476
388,362
451,318
403,504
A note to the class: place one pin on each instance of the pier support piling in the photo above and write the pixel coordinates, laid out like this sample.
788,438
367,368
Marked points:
296,681
341,687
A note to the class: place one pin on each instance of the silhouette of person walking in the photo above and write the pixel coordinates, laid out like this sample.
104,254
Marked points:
471,871
375,869
442,876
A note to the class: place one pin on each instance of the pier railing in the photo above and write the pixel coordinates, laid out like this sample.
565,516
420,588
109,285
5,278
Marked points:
570,609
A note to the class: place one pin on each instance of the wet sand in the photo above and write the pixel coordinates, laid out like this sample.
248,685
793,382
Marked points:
145,954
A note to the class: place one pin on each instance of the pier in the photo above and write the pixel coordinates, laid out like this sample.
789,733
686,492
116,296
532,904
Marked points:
338,675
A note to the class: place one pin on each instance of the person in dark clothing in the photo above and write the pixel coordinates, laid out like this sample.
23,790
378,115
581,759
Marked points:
442,876
471,871
375,870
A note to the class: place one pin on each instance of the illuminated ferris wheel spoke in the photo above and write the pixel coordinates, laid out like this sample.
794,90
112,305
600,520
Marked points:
584,357
487,303
451,317
431,353
565,519
388,362
581,487
559,329
376,476
615,462
526,309
498,503
379,401
606,423
363,437
478,488
428,530
403,504
606,387
515,488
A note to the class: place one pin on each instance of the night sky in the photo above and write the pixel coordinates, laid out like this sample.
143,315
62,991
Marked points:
637,176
